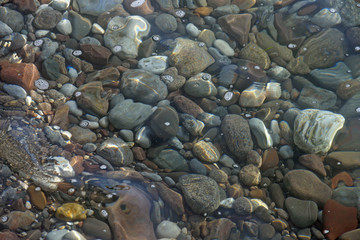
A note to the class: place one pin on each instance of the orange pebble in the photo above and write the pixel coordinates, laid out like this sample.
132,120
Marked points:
343,176
204,11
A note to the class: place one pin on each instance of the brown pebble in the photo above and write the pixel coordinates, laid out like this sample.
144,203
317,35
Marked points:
139,153
37,197
77,164
343,176
270,159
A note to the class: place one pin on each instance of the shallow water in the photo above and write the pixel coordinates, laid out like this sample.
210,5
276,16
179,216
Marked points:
196,119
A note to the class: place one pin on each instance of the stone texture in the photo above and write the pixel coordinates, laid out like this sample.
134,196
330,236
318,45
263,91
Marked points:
306,185
95,54
96,7
116,151
22,74
82,135
237,25
316,129
256,54
237,135
81,26
302,213
318,98
90,98
344,160
47,18
136,7
187,52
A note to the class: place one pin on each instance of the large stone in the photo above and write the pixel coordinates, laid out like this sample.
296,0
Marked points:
95,54
128,115
89,97
12,18
324,49
116,151
318,98
201,193
344,160
22,74
82,135
47,18
172,160
124,35
256,54
306,185
187,52
237,25
314,130
237,135
81,26
303,213
351,108
143,86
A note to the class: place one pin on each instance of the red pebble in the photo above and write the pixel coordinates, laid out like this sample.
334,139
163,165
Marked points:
343,176
338,219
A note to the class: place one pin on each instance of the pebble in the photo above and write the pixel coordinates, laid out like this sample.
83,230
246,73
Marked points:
166,23
64,27
37,197
15,91
303,213
261,133
82,135
319,127
305,185
200,86
224,47
97,229
4,29
206,151
250,175
68,89
61,4
318,98
154,64
143,137
286,152
74,235
56,234
167,229
71,212
60,166
201,193
74,109
171,159
116,151
81,26
243,206
351,107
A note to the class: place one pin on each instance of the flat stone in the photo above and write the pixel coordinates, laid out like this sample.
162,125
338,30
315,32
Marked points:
15,91
237,25
154,64
165,122
12,18
47,18
305,185
89,97
143,86
82,135
128,115
185,53
323,49
315,130
303,213
348,196
200,85
250,175
261,133
201,193
220,228
37,197
237,135
256,54
81,26
167,229
18,219
27,6
172,160
188,106
344,160
95,8
105,75
166,22
5,29
348,89
351,107
313,162
116,151
95,54
318,98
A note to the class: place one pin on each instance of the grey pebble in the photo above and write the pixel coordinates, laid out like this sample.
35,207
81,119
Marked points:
152,176
197,167
68,89
54,136
143,137
243,206
74,109
4,29
89,147
286,152
15,91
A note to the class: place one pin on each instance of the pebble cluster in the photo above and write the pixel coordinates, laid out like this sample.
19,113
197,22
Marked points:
179,119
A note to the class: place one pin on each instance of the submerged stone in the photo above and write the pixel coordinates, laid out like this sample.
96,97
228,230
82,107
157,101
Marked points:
116,151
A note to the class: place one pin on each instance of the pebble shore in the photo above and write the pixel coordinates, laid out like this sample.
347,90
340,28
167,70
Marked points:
179,119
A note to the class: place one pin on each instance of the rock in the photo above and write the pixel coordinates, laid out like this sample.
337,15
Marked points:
172,198
74,235
237,25
306,185
250,175
81,26
12,18
344,160
261,133
82,135
316,129
200,86
313,162
37,197
95,54
186,105
166,22
224,47
172,80
139,7
22,74
56,234
105,75
302,213
350,235
71,212
253,96
348,196
89,97
116,151
128,115
47,18
326,18
243,206
8,236
143,86
165,122
172,160
59,166
167,229
318,98
348,89
15,91
270,159
95,8
323,49
18,219
96,228
187,52
338,219
154,64
130,213
220,228
256,54
277,195
206,151
5,29
201,193
237,135
61,4
26,6
331,78
124,35
351,107
266,231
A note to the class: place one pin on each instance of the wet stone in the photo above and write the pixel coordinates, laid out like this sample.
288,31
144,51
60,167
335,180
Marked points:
47,18
4,29
154,64
324,49
206,151
219,228
200,86
348,88
150,91
172,80
81,26
95,54
185,53
302,213
95,8
124,35
243,206
22,74
201,193
326,18
318,126
305,185
351,108
82,135
12,18
344,160
237,135
237,25
116,151
105,75
166,23
165,122
250,175
171,159
89,97
18,219
331,78
141,8
15,91
261,133
318,98
71,212
167,229
128,115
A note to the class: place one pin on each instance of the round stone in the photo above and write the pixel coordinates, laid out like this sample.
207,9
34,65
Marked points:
166,23
206,151
250,175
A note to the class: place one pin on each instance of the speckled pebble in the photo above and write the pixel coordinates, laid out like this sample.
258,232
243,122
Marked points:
15,91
